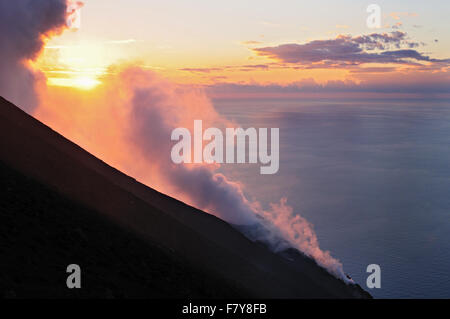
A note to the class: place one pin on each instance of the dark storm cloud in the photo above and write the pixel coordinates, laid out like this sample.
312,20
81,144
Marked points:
342,51
23,26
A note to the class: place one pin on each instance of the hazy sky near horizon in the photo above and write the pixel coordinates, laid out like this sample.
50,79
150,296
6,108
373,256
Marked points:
246,42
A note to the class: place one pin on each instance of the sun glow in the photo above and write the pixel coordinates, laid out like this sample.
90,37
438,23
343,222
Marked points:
76,64
84,83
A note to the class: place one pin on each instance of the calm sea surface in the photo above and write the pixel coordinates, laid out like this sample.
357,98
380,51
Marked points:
373,177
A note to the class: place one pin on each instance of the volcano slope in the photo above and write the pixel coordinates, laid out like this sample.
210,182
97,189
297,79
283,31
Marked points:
60,205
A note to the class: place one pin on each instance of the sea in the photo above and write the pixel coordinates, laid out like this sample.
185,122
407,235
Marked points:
372,176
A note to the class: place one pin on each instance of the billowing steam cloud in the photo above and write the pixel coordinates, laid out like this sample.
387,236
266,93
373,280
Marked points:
128,121
24,25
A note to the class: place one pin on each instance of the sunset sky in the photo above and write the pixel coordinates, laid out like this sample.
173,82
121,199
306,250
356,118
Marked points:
278,44
362,111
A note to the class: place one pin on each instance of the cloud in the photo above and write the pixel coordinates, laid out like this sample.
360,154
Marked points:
251,42
397,15
24,25
270,24
251,67
244,68
119,42
346,51
200,70
398,25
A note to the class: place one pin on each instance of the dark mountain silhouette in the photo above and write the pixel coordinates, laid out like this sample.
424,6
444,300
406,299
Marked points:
60,205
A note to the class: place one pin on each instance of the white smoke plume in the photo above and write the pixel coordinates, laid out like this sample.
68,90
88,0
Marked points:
128,121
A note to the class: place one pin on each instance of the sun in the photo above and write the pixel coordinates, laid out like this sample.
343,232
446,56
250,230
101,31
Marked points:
83,83
79,65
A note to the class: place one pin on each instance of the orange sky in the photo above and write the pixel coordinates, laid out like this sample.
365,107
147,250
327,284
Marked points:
212,46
